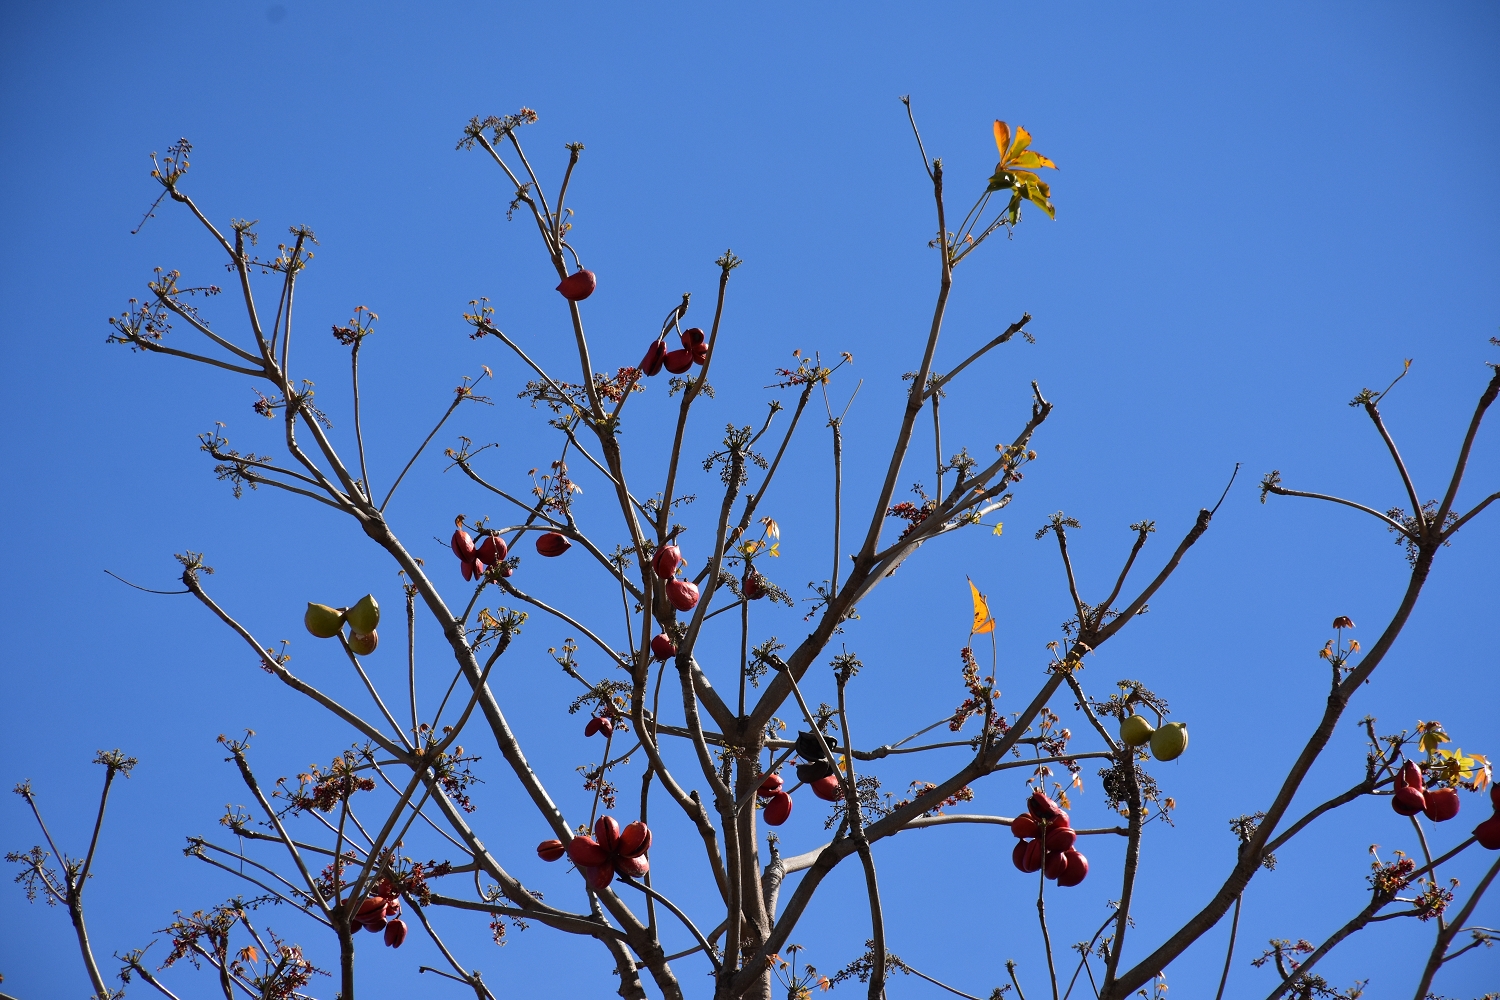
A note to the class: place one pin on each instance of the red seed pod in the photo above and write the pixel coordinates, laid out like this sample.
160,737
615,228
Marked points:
752,586
1078,868
1032,860
1024,826
550,850
662,647
492,550
635,840
1488,833
769,786
1408,801
477,566
600,877
607,832
1495,796
678,362
695,343
372,907
584,851
600,724
655,354
552,544
462,545
632,867
1018,856
1410,776
1056,864
578,286
778,808
1060,820
1040,806
1441,804
666,561
392,909
467,569
827,788
395,933
374,925
1060,838
682,594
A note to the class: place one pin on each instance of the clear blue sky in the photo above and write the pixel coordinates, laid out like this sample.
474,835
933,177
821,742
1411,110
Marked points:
1261,210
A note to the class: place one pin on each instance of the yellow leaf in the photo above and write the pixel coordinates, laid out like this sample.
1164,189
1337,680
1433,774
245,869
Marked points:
1002,138
983,620
1020,142
999,528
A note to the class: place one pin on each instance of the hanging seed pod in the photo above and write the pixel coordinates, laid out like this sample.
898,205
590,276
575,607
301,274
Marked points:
1060,838
813,771
752,586
583,851
395,933
365,615
682,594
827,788
392,908
778,808
492,550
1441,804
809,747
678,362
635,840
362,643
1408,801
375,924
632,867
695,342
1018,855
1411,775
769,786
666,561
462,545
550,850
655,354
578,286
600,724
600,877
1024,827
322,621
1136,731
371,908
662,647
552,544
1168,742
1488,833
1040,806
1056,865
1078,869
1032,860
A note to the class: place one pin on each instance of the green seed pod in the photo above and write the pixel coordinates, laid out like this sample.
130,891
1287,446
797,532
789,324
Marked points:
1168,742
1135,731
322,621
365,615
363,643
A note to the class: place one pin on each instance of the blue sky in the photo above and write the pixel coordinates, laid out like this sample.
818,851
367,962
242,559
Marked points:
1261,210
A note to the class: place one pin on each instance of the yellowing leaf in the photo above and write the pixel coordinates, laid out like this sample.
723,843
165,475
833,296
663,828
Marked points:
983,620
1014,172
999,529
1002,138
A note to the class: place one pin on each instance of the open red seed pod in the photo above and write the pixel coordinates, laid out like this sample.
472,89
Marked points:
678,362
599,876
1408,801
492,550
1024,826
1060,838
666,560
585,851
607,832
601,724
1032,860
550,850
1057,863
655,354
395,933
778,808
632,867
635,840
769,786
1018,855
695,342
682,594
1441,804
462,545
827,788
1078,868
1040,806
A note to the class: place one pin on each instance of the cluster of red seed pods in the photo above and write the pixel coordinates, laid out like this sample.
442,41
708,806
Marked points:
609,852
1488,832
694,351
1410,798
578,286
475,560
683,594
376,914
1046,840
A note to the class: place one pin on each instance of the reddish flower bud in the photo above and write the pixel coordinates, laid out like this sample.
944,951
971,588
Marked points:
778,808
462,545
492,550
584,851
635,840
651,363
662,647
1441,804
696,344
607,832
769,786
632,867
552,544
666,561
1408,801
395,933
1024,826
550,850
1078,869
827,788
578,286
682,594
1488,833
678,362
